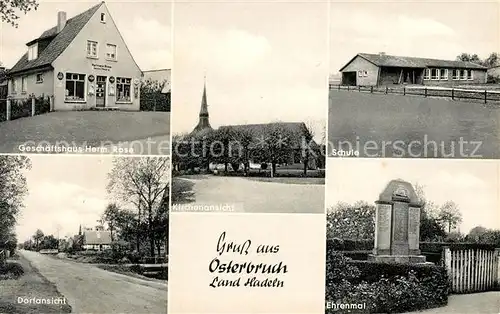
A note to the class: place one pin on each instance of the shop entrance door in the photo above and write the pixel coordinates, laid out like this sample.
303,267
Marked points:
100,93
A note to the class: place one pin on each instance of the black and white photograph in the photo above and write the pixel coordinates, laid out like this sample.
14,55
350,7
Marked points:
414,79
412,235
249,111
85,77
80,241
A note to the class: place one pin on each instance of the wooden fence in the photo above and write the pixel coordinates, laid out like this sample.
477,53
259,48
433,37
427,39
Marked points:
14,108
427,91
471,270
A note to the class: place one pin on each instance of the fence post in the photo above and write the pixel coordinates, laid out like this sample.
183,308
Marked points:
496,268
359,88
452,94
33,106
404,90
485,96
8,111
447,263
348,87
51,103
371,89
386,89
425,91
339,86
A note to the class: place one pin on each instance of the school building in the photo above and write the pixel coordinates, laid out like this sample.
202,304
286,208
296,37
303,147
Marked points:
83,62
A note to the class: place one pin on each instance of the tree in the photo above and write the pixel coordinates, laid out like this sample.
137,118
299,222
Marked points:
307,145
111,216
245,138
353,222
477,233
141,181
10,10
492,60
274,145
474,58
152,98
38,236
430,227
450,215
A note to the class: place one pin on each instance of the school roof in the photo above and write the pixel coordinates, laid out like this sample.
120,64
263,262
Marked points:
383,60
58,42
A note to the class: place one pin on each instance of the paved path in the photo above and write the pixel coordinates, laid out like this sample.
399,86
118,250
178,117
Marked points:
89,289
486,302
258,197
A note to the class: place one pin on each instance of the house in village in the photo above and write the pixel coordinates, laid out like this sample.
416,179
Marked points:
83,62
295,133
96,239
383,70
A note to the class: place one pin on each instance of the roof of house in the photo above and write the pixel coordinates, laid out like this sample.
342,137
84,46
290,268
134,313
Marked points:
383,60
294,131
58,42
97,237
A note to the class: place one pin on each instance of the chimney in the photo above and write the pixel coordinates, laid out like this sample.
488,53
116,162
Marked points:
61,21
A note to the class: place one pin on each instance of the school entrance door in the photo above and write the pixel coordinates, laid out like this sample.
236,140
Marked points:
100,94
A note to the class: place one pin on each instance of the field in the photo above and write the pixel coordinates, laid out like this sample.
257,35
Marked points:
378,125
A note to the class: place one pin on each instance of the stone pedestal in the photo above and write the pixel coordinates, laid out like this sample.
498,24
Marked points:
397,225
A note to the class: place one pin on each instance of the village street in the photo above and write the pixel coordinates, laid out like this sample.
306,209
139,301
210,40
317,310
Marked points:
89,289
258,197
485,302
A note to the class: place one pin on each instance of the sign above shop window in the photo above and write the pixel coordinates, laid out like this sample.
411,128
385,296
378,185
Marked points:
91,78
60,76
102,67
111,79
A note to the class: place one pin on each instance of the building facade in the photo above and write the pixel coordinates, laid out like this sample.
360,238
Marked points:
83,62
385,70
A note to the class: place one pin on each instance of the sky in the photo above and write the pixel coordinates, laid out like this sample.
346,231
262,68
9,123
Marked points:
145,27
263,61
65,190
432,29
474,185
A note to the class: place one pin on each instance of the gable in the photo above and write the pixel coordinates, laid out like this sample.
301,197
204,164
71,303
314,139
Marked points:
103,33
54,43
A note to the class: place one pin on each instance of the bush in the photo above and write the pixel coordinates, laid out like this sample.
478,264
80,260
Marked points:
385,287
348,245
11,271
20,108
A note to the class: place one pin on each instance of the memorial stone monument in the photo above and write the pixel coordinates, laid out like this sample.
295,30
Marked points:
397,224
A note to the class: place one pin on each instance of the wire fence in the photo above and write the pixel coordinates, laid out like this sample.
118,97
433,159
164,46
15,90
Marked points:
480,95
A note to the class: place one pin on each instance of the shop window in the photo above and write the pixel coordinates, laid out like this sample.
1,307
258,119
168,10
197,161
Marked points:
92,49
123,89
75,87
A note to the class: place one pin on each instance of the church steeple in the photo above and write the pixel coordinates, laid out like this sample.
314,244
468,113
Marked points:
203,122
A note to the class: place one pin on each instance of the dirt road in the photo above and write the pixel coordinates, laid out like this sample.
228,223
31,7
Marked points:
485,302
89,289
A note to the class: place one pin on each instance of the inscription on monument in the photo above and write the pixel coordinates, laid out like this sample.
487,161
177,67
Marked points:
384,226
413,227
400,222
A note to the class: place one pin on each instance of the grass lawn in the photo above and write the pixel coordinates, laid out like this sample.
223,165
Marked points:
81,128
378,125
124,270
289,180
30,285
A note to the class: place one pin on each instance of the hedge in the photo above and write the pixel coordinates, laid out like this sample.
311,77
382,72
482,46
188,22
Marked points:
384,287
11,270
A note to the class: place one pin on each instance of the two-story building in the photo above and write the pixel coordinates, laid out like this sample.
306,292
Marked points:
384,70
83,62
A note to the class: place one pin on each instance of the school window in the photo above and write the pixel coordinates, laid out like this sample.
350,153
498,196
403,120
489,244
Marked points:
32,52
456,74
91,49
24,82
434,74
123,89
103,17
463,74
75,86
469,75
39,77
444,74
110,52
427,74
